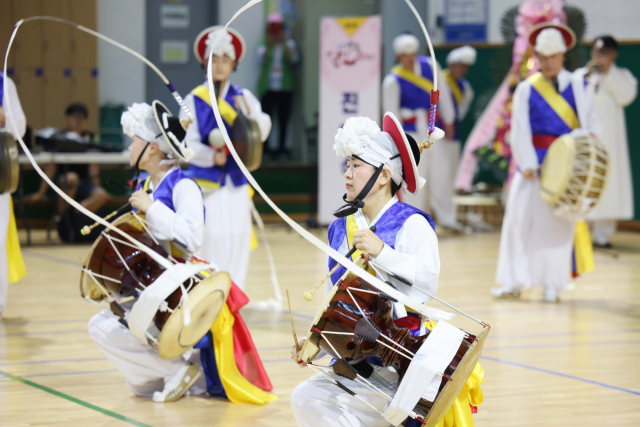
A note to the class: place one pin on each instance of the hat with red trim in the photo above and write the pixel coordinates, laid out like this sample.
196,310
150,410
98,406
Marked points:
223,42
549,38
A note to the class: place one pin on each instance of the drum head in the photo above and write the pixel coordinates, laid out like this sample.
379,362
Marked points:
9,166
247,141
88,287
557,169
205,300
459,378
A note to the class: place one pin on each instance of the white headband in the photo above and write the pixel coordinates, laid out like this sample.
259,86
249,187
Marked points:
362,137
140,121
549,42
223,47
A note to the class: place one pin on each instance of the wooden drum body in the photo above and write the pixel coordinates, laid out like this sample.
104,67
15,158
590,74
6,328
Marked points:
9,166
104,273
574,175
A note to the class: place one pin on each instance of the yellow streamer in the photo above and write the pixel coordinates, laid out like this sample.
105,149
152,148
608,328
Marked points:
15,263
254,238
421,82
556,101
237,388
352,227
453,84
583,249
459,415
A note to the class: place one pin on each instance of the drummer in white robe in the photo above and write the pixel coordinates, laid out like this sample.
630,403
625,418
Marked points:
227,239
535,245
406,92
404,243
614,89
15,123
175,213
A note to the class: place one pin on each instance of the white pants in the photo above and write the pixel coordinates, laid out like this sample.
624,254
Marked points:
227,236
602,229
438,165
142,367
5,206
535,245
317,402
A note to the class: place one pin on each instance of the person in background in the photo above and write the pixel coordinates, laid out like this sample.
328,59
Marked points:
275,86
79,181
11,265
614,88
406,92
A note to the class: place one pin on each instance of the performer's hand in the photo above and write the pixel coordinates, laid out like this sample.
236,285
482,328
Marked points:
529,174
367,241
141,201
220,158
449,131
296,354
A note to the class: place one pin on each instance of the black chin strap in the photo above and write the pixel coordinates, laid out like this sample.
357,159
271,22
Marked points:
352,207
136,168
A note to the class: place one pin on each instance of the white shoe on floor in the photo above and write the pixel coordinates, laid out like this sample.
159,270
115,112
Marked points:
503,292
551,295
178,385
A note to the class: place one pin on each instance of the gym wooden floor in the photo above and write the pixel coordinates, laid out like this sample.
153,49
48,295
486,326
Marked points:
569,364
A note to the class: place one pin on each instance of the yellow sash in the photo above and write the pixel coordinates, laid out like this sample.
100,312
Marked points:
227,112
237,387
352,227
15,263
421,82
455,88
556,101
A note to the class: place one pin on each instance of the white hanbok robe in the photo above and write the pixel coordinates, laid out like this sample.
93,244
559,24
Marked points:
612,93
227,239
536,245
437,164
16,124
317,402
143,368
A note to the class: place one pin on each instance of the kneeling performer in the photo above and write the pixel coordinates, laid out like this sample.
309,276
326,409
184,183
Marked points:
404,244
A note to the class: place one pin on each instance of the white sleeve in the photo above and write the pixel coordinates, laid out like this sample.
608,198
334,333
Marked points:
445,105
414,258
621,84
391,96
203,153
186,224
521,137
291,44
467,99
255,112
19,121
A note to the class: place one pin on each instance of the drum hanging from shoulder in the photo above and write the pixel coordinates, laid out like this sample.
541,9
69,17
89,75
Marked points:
574,175
355,323
115,267
247,141
9,167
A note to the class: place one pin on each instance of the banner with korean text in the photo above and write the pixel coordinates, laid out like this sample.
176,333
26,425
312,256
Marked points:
350,52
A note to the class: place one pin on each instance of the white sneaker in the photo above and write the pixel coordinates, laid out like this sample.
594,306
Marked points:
551,295
503,292
178,385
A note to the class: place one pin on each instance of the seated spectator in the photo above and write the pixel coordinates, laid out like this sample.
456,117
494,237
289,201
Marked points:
79,181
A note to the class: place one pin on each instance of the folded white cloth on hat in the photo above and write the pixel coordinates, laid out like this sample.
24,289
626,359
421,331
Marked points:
550,42
405,44
462,55
140,121
222,46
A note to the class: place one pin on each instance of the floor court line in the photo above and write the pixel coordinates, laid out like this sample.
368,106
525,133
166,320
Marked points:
566,344
560,374
74,400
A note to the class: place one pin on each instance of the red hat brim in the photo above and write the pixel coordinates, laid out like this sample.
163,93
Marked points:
200,45
567,33
392,126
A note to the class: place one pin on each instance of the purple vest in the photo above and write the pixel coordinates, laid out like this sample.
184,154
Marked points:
164,192
387,229
1,88
544,120
206,123
413,97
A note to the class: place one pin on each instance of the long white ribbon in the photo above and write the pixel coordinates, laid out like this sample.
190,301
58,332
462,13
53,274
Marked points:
374,281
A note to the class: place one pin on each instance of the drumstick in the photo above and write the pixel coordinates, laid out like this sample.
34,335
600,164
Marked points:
87,228
309,295
293,329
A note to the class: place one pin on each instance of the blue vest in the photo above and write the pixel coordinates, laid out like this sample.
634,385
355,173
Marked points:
1,88
387,229
413,97
206,123
164,192
544,121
